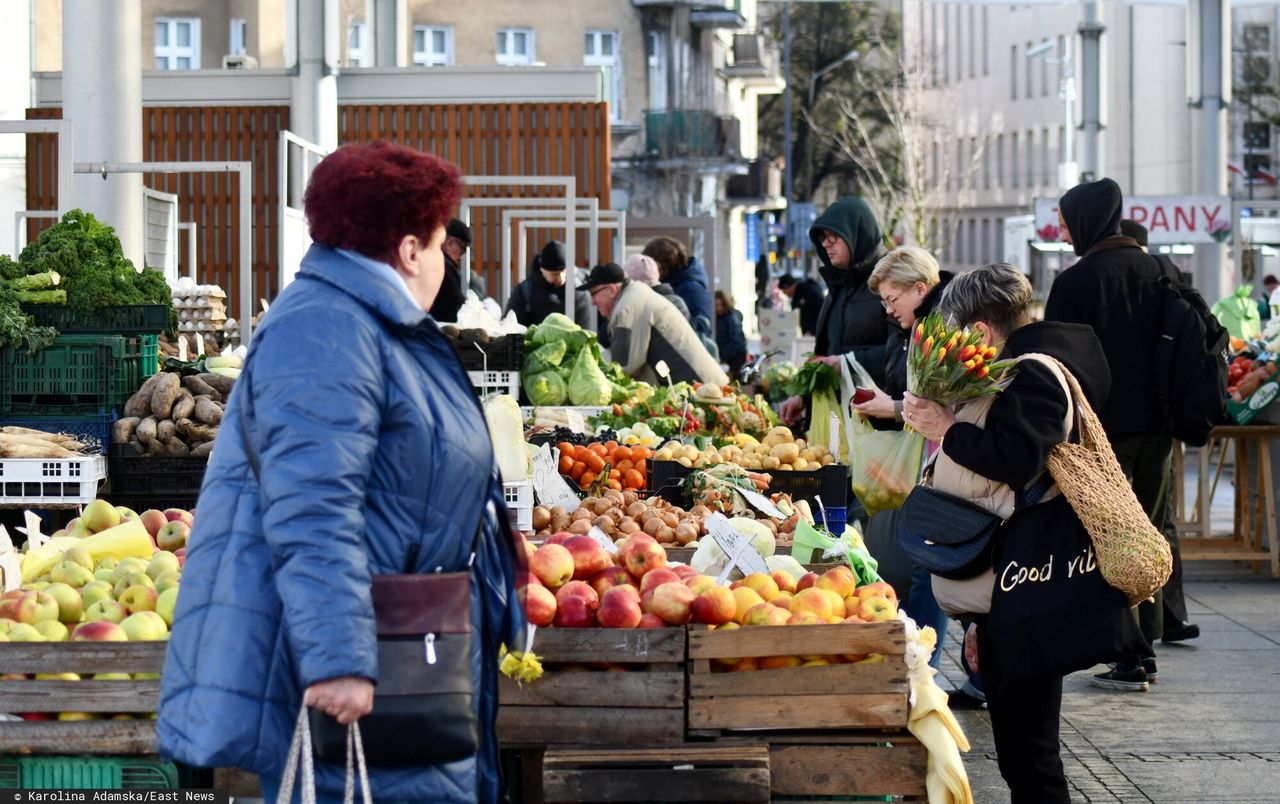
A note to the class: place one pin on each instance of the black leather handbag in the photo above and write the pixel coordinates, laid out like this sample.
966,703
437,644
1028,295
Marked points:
947,535
423,707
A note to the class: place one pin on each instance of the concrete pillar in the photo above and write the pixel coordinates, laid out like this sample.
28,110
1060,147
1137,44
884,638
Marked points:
313,103
102,97
1091,31
390,33
1209,88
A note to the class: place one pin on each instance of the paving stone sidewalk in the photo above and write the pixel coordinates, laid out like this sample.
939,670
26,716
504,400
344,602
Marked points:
1209,731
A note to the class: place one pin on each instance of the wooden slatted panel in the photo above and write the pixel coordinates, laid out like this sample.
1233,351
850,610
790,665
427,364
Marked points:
193,134
522,139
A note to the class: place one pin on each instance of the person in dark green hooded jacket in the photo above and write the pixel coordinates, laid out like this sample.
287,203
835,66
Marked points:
848,241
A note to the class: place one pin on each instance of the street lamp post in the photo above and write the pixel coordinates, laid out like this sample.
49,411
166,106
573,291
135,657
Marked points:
852,55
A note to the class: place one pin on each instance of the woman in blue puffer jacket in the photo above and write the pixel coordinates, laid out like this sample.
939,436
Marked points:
373,458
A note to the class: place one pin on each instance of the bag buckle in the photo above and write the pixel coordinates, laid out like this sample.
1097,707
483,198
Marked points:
429,648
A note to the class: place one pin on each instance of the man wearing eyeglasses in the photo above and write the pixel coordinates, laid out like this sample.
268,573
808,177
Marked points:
848,242
457,239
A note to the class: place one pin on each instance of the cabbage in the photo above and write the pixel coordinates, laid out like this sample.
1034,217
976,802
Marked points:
545,357
545,389
559,327
587,384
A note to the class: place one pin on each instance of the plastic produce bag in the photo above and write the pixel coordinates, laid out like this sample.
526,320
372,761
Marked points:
884,464
545,389
809,539
587,384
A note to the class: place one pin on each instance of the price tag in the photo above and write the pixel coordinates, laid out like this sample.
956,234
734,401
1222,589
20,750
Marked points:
182,348
575,421
603,540
834,438
736,546
35,539
10,566
762,504
199,344
547,482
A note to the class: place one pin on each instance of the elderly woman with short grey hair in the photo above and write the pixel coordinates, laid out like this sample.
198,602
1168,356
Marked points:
993,451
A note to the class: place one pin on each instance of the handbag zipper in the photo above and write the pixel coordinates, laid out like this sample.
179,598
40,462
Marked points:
429,645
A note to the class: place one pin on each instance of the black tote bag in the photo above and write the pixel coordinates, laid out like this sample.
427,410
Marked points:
1052,612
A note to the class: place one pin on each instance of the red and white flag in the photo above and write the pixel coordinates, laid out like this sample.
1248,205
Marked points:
1265,175
1236,167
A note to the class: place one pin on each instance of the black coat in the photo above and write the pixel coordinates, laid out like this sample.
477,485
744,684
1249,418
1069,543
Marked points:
449,300
535,298
853,318
1025,420
808,299
1115,290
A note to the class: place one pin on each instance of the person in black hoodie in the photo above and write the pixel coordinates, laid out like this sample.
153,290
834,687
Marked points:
806,296
542,292
848,241
1115,289
1010,448
457,239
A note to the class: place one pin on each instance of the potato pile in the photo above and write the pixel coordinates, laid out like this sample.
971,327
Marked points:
618,514
779,451
174,416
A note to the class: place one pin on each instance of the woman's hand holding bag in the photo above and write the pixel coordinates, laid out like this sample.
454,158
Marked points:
300,753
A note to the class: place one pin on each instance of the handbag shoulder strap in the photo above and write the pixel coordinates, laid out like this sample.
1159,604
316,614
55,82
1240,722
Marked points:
410,559
1070,388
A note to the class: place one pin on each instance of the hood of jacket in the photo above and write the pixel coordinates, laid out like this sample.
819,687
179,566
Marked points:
1075,346
930,301
692,273
1092,213
855,223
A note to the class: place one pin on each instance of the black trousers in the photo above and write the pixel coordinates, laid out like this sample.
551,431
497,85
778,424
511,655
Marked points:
1024,722
1146,461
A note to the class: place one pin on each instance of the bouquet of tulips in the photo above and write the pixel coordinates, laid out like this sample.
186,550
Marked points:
949,365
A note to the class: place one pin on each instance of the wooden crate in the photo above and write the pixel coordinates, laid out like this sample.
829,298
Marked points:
680,773
842,764
591,704
135,697
829,697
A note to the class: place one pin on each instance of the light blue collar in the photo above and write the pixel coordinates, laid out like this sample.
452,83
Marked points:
383,270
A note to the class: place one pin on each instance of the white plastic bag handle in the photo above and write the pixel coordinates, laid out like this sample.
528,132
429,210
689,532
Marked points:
300,749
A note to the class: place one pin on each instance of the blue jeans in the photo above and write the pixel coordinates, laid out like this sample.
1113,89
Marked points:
923,608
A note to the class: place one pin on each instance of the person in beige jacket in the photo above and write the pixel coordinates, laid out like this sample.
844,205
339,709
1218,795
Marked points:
645,328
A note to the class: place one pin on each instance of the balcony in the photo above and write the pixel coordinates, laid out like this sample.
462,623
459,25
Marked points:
704,13
762,183
755,63
690,134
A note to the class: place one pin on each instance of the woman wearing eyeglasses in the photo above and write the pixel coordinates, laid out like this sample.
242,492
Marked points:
848,241
909,284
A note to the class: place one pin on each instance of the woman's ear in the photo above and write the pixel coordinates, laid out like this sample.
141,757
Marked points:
408,252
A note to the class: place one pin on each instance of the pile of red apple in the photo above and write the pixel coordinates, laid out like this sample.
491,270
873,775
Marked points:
573,582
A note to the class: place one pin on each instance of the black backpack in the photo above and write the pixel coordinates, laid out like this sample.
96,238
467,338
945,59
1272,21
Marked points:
1191,365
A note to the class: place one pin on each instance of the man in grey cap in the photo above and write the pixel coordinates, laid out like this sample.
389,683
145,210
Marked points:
542,291
645,328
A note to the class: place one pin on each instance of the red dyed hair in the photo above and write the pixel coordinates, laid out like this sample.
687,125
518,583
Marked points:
367,198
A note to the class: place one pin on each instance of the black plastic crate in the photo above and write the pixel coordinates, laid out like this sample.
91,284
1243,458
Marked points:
96,429
127,319
133,474
142,502
666,478
504,353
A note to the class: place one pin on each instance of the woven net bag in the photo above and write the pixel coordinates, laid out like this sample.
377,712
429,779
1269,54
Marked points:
1132,554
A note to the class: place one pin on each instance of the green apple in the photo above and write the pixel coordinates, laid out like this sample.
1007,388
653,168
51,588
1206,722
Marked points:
57,676
80,555
53,630
112,677
38,585
138,598
168,580
127,567
100,631
132,579
23,632
46,607
146,676
70,573
126,513
5,625
94,591
106,563
79,532
105,611
99,515
162,562
145,626
103,575
70,604
165,604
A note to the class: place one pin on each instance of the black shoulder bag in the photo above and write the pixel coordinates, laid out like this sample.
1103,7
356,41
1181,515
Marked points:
423,706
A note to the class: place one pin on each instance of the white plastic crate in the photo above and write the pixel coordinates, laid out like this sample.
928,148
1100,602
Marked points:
496,382
52,482
519,498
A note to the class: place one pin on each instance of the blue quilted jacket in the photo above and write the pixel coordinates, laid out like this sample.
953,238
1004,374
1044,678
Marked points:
374,453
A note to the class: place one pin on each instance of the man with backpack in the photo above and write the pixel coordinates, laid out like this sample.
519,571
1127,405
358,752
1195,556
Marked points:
1120,291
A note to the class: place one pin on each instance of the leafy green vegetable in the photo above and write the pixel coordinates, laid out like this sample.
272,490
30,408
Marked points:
18,329
587,384
559,327
545,357
812,378
545,389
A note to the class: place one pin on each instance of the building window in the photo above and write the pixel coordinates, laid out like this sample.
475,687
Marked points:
1062,66
985,255
433,45
973,42
656,53
1257,38
1013,72
947,11
937,43
601,50
986,67
1031,158
177,43
1257,69
1013,160
1257,167
973,241
1257,135
359,54
1031,65
515,46
1000,160
955,254
237,48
